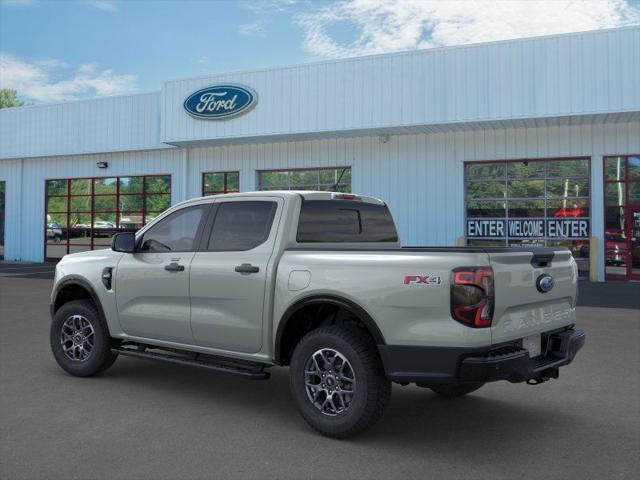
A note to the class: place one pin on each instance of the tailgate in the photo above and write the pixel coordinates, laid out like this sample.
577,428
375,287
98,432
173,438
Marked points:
521,309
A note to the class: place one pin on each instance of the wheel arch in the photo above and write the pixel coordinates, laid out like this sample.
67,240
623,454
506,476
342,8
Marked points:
288,320
72,288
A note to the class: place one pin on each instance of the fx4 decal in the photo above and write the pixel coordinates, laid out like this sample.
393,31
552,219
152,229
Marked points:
423,280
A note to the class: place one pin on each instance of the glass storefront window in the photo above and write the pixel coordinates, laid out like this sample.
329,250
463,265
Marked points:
615,168
530,203
85,213
327,179
622,217
615,193
215,183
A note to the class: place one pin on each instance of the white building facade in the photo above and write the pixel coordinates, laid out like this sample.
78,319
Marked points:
524,142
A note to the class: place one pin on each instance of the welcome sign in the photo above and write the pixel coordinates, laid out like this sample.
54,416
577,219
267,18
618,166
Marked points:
528,228
220,101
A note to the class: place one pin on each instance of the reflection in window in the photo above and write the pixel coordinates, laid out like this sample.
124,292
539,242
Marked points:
326,179
85,213
216,183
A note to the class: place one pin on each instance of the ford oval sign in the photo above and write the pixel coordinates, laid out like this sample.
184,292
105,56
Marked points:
220,101
544,283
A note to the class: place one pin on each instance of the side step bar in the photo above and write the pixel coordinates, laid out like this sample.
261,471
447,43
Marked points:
245,369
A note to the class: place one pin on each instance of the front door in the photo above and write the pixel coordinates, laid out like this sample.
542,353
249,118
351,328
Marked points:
228,278
634,243
152,285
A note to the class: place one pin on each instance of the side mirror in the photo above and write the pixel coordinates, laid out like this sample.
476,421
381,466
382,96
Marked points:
124,242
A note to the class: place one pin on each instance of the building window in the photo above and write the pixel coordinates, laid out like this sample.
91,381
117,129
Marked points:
622,217
336,179
530,203
2,210
84,213
214,183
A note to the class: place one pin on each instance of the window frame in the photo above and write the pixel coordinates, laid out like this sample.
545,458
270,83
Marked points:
301,169
207,193
3,216
90,243
627,206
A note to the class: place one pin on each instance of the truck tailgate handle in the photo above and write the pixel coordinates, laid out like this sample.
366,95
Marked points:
247,268
174,267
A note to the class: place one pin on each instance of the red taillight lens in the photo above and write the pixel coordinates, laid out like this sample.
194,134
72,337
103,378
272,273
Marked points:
472,296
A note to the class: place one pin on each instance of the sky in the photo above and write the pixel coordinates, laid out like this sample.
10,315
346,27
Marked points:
59,50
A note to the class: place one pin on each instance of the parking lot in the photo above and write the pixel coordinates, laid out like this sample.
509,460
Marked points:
151,420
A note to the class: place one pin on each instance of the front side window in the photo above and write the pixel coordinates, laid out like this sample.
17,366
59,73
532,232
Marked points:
85,213
175,233
215,183
345,221
325,179
240,226
531,203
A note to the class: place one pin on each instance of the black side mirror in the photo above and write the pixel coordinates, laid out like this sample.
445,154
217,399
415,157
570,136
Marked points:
124,242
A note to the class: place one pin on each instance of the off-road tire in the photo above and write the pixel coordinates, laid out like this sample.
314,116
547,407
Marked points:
100,357
372,391
452,390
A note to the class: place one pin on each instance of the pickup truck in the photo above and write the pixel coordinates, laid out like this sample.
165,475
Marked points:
316,281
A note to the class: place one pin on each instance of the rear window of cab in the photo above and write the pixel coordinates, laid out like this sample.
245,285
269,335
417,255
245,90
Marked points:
345,221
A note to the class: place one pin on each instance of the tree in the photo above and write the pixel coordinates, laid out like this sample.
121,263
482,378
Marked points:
8,98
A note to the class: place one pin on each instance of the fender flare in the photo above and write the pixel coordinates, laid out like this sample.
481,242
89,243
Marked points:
82,283
336,300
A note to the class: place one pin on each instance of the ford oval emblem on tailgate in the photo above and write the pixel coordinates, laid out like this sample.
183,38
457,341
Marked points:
544,283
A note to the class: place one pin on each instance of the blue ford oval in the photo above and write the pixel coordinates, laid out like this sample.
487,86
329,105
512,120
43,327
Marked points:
220,101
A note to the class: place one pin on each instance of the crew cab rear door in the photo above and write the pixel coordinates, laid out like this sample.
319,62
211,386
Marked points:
229,274
522,307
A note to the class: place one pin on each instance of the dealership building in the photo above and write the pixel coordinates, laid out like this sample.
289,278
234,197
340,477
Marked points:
524,142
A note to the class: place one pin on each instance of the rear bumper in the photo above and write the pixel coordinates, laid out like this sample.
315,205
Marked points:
499,362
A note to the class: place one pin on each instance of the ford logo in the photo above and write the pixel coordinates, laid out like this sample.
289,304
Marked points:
544,283
220,101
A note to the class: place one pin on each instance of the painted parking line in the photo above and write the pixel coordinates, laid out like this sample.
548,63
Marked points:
24,267
17,274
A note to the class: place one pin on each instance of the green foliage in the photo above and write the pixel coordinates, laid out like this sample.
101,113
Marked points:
8,98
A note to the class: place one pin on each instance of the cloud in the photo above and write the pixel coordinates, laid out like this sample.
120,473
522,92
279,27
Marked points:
386,25
252,29
104,5
38,82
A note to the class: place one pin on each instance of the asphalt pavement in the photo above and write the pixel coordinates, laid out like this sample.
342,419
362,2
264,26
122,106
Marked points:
145,420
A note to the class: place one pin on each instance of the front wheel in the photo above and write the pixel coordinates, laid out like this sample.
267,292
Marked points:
79,339
338,382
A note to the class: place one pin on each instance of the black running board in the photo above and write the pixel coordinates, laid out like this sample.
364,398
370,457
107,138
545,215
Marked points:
248,370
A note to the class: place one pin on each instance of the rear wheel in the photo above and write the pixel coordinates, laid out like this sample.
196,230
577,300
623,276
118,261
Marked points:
338,381
79,339
455,390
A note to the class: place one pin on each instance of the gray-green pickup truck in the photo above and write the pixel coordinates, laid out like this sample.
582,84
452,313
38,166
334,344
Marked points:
316,281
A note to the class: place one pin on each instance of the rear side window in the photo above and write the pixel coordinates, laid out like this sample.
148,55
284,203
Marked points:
345,221
241,226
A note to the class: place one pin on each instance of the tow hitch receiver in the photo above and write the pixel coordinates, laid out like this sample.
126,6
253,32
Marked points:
544,377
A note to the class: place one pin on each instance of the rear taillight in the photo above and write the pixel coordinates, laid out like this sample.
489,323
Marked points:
472,296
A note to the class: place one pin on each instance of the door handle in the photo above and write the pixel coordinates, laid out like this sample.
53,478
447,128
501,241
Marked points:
247,268
174,267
